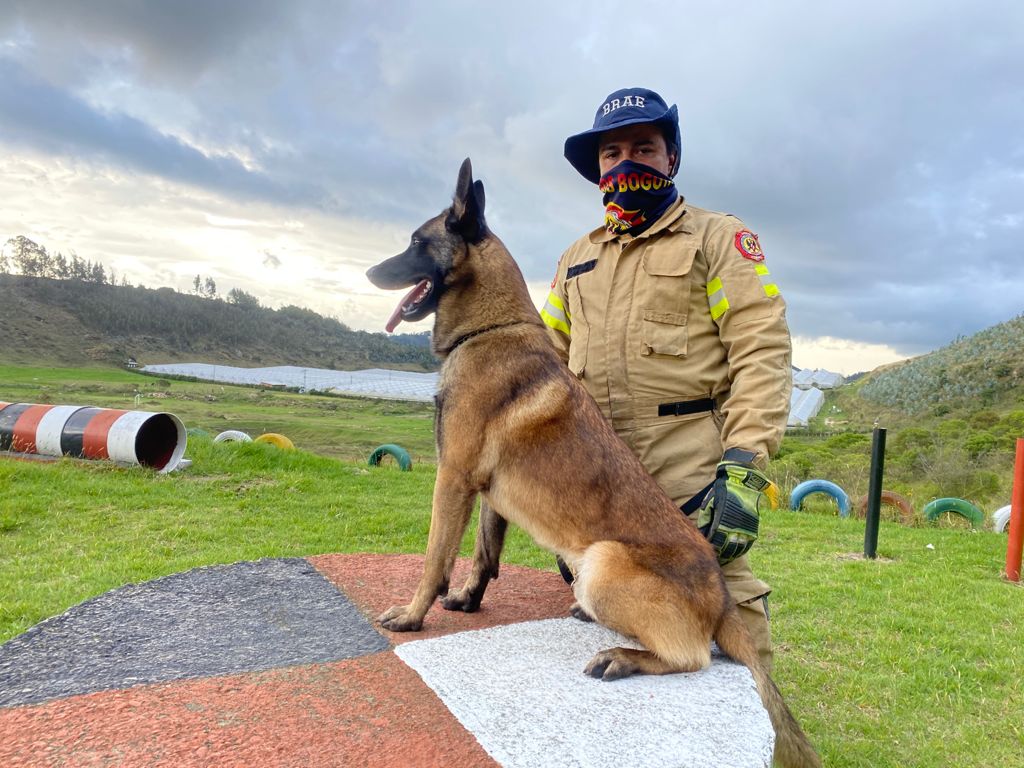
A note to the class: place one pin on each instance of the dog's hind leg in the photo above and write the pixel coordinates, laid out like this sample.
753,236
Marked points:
452,507
623,594
490,539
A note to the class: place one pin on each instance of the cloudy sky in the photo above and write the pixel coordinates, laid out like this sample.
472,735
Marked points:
284,147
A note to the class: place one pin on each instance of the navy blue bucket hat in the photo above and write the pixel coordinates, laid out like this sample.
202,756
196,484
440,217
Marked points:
627,106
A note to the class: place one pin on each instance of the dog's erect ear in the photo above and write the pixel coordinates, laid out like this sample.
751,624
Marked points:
466,216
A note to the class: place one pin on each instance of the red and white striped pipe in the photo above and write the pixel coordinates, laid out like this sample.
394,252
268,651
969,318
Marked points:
154,440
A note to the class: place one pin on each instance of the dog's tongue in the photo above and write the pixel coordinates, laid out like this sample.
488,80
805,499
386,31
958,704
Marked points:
396,316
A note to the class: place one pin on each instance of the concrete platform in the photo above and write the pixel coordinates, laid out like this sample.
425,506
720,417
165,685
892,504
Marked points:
278,663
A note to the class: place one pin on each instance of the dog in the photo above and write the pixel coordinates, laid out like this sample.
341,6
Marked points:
514,426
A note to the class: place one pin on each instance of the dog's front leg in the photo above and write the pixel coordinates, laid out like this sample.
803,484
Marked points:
453,505
490,540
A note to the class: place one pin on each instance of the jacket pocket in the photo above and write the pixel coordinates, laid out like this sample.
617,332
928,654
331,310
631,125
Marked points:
663,333
579,338
664,295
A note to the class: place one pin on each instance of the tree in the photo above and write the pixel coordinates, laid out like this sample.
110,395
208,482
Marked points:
61,268
197,284
97,274
210,288
242,299
27,256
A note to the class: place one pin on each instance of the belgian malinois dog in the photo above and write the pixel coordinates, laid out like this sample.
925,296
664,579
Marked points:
515,426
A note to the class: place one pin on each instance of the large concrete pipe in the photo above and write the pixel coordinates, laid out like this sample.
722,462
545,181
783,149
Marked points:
155,440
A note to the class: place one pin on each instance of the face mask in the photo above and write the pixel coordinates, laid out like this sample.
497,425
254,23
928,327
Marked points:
635,196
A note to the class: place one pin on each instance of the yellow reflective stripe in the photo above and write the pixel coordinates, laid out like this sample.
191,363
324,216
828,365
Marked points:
716,298
554,315
556,302
770,289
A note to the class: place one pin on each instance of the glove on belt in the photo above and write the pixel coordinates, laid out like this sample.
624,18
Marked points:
729,514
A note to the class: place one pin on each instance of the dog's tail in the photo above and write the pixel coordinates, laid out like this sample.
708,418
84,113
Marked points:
792,749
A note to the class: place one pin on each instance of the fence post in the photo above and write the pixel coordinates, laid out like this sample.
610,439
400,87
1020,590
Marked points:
875,492
1016,541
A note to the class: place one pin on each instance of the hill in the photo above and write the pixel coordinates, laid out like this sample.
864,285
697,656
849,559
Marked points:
75,322
979,369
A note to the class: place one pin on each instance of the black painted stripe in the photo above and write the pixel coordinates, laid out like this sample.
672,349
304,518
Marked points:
74,430
580,269
8,418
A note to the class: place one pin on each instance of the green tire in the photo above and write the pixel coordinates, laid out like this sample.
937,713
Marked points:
933,509
398,453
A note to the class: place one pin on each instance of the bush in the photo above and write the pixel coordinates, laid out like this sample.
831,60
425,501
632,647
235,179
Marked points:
980,443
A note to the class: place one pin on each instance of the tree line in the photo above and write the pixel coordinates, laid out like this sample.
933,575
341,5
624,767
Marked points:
150,322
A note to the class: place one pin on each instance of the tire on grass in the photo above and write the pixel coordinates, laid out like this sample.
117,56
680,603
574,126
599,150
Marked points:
276,440
1001,520
807,487
398,453
232,436
892,499
933,509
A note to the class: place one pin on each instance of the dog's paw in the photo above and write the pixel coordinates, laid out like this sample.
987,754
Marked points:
397,619
577,612
610,665
460,600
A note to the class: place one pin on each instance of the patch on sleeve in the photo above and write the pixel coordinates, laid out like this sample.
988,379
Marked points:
748,245
555,278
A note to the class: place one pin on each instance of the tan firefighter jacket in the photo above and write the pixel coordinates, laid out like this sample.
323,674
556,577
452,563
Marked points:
685,317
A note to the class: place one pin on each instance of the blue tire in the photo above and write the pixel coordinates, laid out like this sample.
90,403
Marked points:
807,487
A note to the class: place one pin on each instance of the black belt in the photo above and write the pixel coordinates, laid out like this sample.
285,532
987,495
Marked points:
686,407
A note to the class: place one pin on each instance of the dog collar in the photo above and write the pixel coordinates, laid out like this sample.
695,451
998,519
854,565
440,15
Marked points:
463,339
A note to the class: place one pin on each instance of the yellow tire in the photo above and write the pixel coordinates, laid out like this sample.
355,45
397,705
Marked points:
278,441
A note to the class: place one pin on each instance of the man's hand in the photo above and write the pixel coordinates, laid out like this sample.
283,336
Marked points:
729,515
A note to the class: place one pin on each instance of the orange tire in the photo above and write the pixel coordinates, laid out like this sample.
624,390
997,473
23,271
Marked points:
893,499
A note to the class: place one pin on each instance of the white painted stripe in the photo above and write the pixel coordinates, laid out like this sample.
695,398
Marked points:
122,433
50,427
521,691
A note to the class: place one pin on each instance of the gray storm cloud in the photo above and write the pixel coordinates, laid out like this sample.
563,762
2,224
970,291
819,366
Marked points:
877,150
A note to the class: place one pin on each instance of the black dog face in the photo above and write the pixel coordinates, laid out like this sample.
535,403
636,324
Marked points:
434,251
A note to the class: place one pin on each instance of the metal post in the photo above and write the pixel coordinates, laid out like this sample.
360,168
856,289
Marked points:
1015,545
875,492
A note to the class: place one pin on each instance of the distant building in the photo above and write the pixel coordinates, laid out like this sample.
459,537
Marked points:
804,405
132,363
819,377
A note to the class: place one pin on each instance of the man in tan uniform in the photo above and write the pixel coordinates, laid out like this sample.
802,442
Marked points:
671,319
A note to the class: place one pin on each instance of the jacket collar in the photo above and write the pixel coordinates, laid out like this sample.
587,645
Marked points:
674,220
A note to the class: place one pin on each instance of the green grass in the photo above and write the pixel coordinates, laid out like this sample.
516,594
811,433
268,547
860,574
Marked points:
913,659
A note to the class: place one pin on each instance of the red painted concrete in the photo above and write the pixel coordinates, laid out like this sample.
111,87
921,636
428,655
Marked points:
371,711
376,582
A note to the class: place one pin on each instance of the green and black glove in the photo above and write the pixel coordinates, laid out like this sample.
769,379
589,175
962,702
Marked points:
730,512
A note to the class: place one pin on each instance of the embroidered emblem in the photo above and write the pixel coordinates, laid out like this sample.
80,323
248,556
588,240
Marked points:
617,219
748,246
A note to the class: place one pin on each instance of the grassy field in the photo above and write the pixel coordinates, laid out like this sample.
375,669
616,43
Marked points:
913,659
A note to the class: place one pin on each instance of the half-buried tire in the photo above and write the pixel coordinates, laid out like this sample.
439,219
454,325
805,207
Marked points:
398,453
278,441
808,487
934,509
232,436
1001,519
892,499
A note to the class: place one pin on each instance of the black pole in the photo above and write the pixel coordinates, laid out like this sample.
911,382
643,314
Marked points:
875,492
